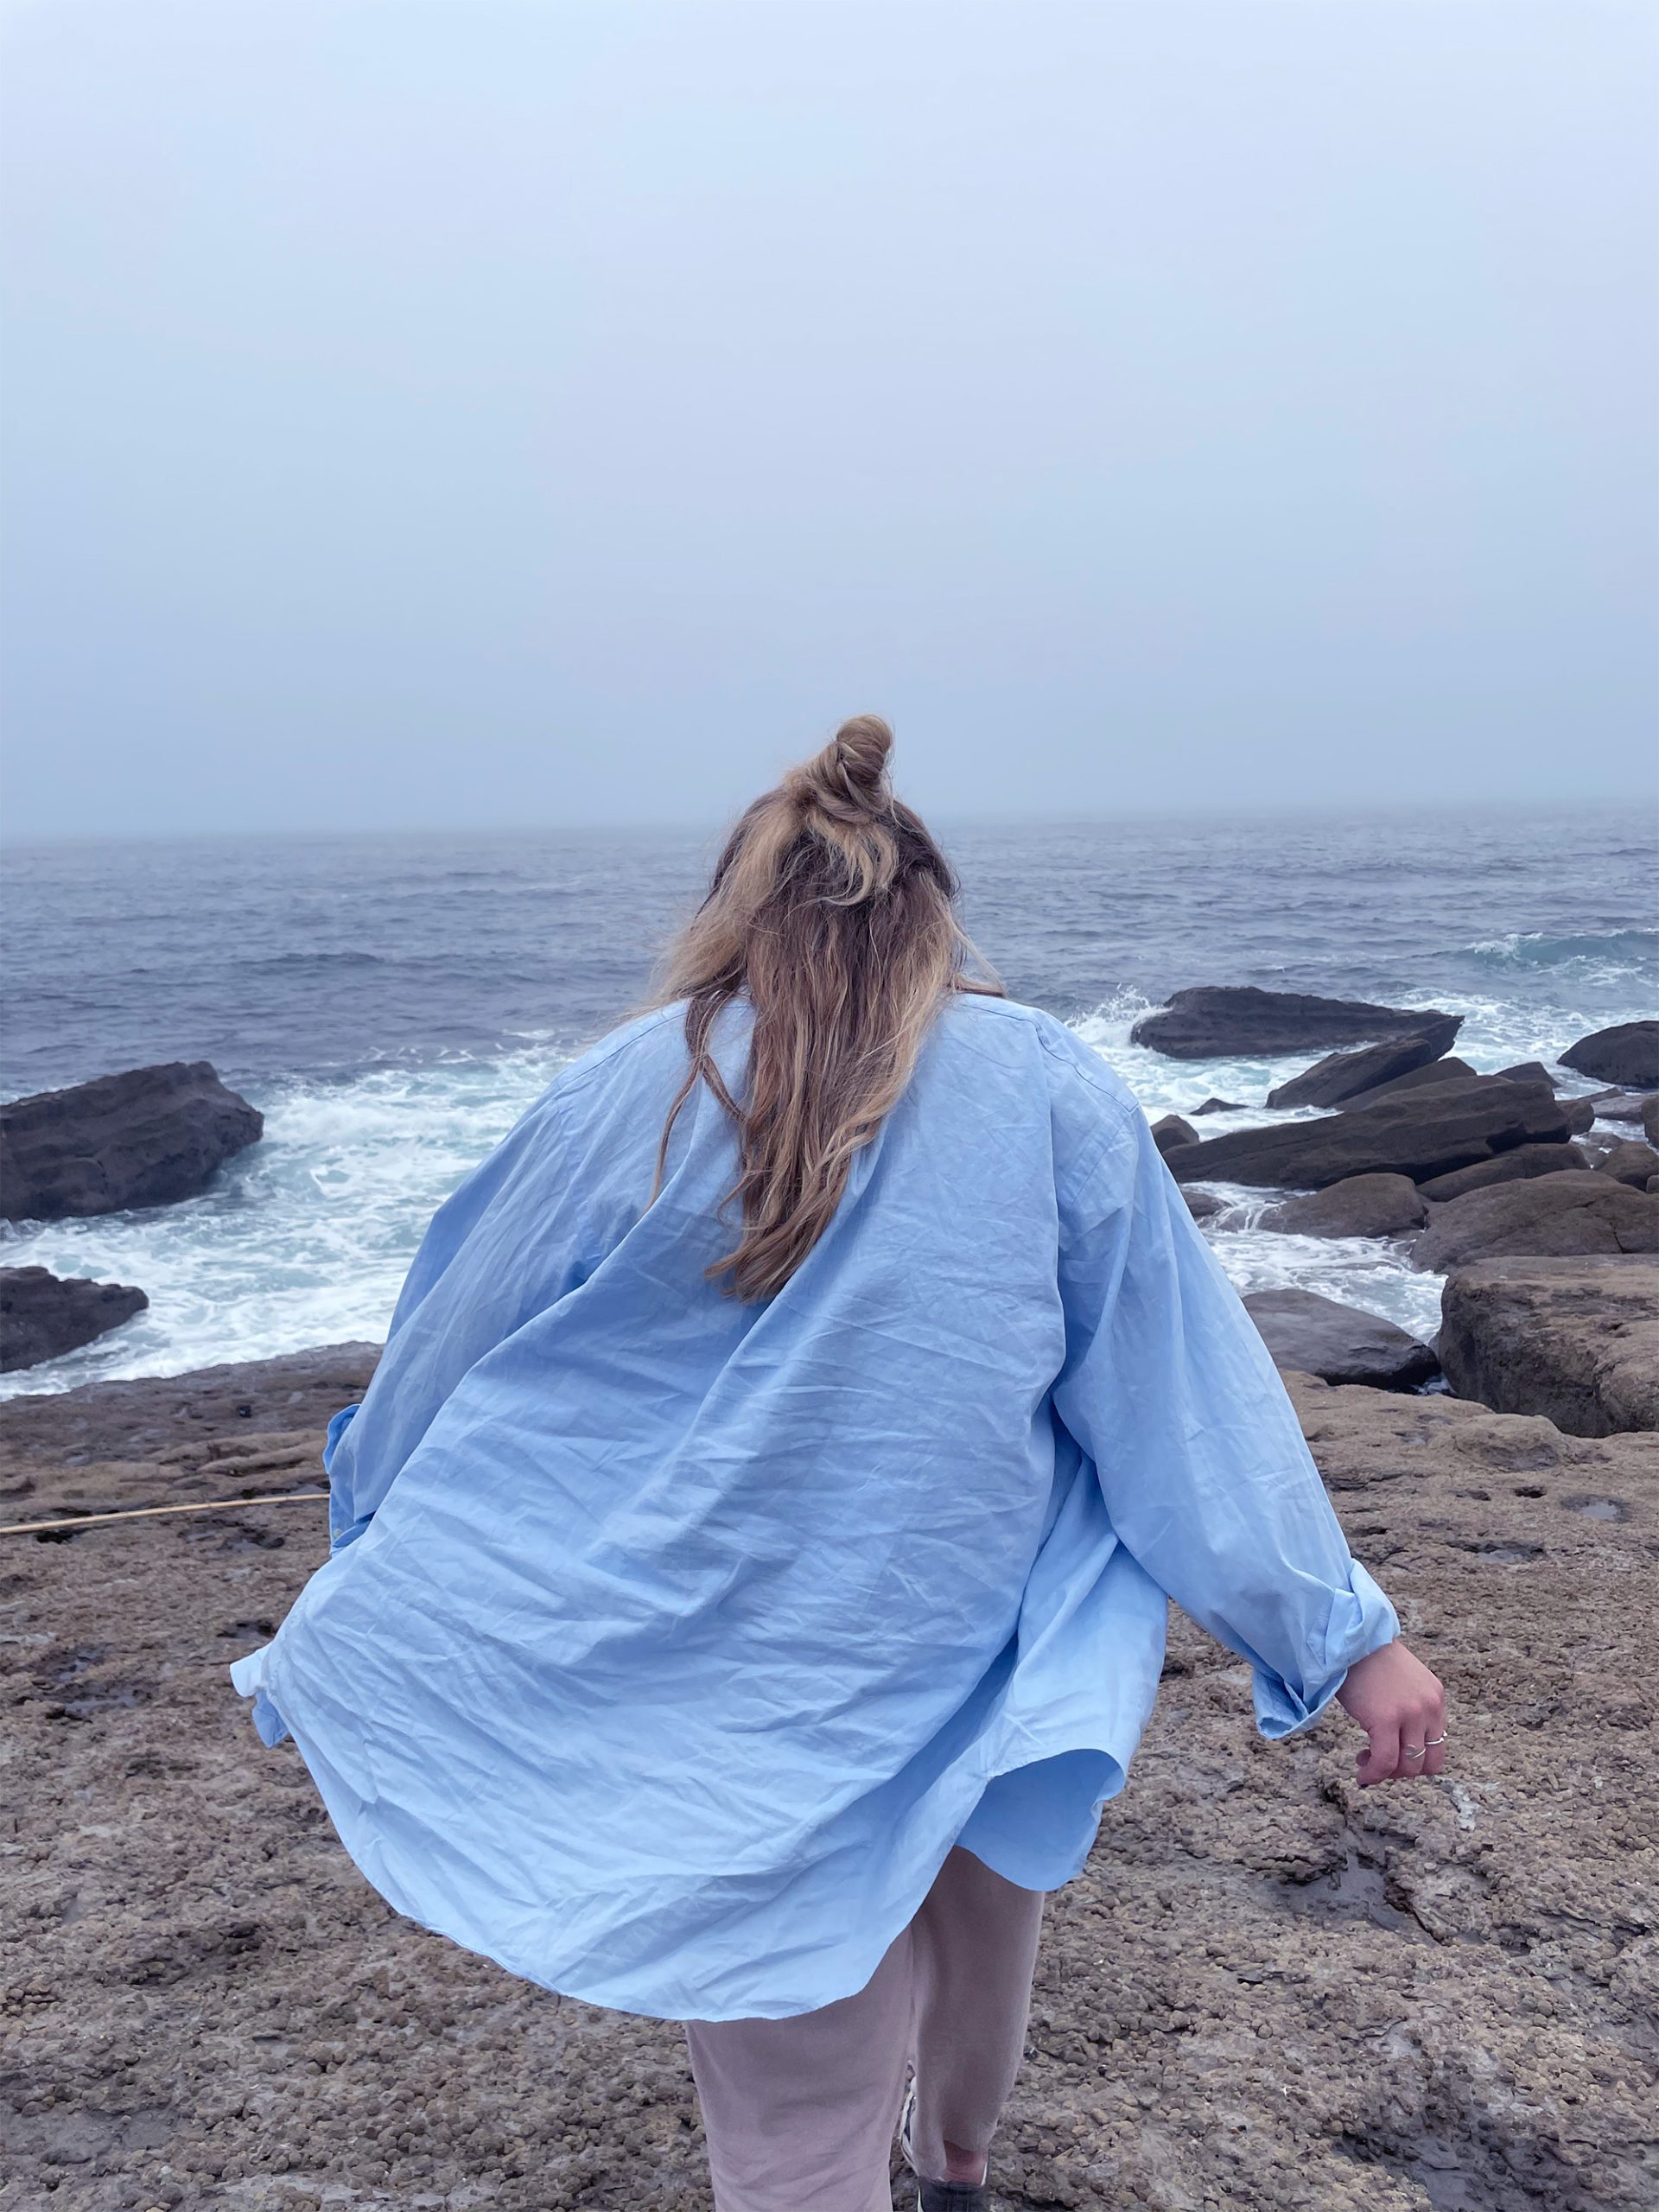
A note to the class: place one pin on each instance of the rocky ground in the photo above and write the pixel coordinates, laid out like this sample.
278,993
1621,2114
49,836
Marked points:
1270,1990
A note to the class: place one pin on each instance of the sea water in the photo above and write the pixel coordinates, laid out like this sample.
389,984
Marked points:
392,1003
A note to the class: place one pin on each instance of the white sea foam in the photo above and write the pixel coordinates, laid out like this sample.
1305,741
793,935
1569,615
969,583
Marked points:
305,1238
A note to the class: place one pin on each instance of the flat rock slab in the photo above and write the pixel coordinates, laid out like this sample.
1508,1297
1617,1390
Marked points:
1345,1075
1416,1133
1580,1212
1313,1334
1270,1990
1225,1021
1576,1340
1514,1167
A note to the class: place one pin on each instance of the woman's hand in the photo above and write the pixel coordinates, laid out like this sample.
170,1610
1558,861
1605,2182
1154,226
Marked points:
1402,1707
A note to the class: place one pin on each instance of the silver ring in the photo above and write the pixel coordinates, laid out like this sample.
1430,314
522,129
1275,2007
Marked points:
1432,1743
1413,1751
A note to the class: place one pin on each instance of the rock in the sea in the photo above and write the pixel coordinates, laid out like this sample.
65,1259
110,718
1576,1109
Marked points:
1576,1340
1616,1105
1650,1118
42,1315
1629,1161
1224,1021
1512,1167
1433,1075
1340,1344
145,1138
1627,1054
1417,1134
1360,1205
1222,1106
1527,1072
1201,1204
1345,1075
1172,1130
1580,1212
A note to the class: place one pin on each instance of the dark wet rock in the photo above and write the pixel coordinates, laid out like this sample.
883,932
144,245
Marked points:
1576,1340
1360,1205
1627,1054
1527,1072
1313,1334
1629,1161
1224,1021
1580,1115
1203,1205
1650,1118
1433,1075
42,1315
1415,1133
145,1138
1514,1166
1345,1075
1172,1130
1222,1106
1580,1212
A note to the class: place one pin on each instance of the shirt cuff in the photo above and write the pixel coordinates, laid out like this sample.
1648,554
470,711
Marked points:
1361,1621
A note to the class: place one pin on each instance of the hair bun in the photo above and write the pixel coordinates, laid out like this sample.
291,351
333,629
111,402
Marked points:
861,748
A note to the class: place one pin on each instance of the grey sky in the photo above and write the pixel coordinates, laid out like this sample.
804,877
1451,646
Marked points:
487,413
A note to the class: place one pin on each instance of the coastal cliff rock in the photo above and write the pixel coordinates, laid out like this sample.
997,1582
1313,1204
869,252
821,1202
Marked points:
1417,1134
1627,1054
1215,1021
1311,1335
1345,1075
1581,1211
1576,1340
42,1315
1360,1205
1269,1990
145,1138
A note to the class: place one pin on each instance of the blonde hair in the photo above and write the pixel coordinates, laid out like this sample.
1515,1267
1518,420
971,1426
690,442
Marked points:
832,911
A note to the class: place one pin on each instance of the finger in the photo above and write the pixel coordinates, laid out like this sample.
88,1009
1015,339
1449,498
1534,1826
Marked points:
1435,1762
1380,1760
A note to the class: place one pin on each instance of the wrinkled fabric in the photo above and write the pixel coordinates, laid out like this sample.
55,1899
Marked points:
668,1643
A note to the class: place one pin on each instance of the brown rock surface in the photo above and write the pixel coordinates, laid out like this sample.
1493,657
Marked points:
1582,1212
1416,1132
1360,1205
1576,1340
1516,1166
1271,1992
1345,1075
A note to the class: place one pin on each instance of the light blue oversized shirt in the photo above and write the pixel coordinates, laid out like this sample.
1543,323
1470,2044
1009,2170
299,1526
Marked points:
668,1643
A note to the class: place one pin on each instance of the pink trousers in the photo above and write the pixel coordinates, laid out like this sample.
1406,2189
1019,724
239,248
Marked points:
800,2113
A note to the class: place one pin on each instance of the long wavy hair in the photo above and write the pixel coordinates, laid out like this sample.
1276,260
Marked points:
833,912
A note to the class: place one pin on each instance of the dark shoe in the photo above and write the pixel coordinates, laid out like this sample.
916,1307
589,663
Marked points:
940,2196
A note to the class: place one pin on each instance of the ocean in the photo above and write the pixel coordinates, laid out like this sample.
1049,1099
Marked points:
391,1003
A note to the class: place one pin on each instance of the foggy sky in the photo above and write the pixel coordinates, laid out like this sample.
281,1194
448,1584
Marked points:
488,414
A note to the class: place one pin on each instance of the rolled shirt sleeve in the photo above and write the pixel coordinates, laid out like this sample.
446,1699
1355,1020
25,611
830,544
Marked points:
1210,1484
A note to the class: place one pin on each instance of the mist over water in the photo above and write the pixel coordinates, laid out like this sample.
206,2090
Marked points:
392,1004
